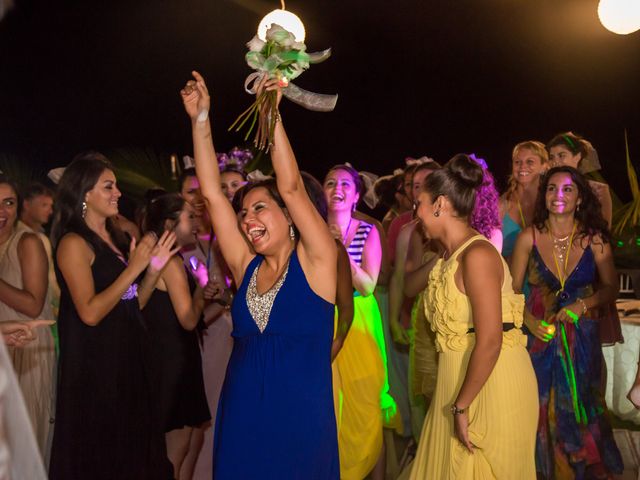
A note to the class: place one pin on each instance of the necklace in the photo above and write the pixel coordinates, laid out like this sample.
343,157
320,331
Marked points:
561,245
346,232
207,254
562,258
260,305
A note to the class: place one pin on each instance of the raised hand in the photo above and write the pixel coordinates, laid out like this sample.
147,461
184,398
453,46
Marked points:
195,97
162,252
271,85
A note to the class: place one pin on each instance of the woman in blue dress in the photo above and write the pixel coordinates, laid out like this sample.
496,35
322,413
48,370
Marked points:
275,419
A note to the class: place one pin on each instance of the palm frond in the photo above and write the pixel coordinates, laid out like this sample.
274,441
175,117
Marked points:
629,215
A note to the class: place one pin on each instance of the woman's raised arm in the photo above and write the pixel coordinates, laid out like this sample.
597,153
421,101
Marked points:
315,238
235,250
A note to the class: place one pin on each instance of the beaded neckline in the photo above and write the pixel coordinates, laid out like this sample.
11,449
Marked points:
260,305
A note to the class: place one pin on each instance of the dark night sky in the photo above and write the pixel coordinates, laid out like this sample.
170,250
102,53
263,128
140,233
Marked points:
414,77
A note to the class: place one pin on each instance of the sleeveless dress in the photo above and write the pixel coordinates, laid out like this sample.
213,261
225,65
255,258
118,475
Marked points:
363,403
106,425
215,349
177,365
424,357
275,419
34,363
504,415
510,231
574,435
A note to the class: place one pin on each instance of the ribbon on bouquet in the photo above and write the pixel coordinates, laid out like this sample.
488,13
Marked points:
318,102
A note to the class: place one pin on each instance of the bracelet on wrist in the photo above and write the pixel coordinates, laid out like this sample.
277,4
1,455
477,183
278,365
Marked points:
584,306
457,411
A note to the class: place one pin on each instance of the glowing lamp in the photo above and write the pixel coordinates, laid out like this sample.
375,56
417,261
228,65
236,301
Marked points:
287,20
620,16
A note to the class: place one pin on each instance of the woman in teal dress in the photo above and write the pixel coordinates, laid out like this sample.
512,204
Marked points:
529,160
560,254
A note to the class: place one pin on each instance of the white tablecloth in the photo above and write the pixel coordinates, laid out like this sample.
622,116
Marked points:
622,363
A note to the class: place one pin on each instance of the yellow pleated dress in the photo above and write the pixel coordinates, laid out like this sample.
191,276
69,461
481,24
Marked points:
503,417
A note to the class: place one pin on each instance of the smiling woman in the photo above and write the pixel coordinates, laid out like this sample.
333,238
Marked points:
529,161
23,291
275,417
360,369
562,253
105,421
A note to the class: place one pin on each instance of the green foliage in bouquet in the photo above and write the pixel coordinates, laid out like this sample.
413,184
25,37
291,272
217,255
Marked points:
279,57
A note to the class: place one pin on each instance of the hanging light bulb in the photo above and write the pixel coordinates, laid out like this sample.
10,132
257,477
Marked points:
287,20
620,16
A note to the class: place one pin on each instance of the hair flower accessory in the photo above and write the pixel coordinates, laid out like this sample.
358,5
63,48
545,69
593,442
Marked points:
235,159
479,161
368,181
55,174
281,57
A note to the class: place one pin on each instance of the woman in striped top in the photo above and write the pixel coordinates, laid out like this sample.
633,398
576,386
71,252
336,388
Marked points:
360,369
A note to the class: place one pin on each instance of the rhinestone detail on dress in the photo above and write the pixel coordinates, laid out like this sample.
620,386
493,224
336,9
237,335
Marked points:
260,305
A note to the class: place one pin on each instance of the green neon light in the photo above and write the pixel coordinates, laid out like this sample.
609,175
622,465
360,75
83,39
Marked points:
570,374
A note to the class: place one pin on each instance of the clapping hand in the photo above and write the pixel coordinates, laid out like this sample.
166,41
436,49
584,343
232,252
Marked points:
195,97
162,252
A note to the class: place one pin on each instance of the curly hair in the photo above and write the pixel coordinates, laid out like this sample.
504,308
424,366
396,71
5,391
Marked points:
485,217
589,215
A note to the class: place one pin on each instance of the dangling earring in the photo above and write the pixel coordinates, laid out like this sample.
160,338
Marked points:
292,232
436,214
577,208
353,207
84,209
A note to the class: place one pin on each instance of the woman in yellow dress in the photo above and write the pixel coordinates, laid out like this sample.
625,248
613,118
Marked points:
361,389
483,417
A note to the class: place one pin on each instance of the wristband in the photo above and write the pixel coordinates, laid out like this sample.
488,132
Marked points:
573,316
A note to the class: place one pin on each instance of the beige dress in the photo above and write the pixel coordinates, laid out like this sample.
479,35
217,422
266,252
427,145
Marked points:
34,363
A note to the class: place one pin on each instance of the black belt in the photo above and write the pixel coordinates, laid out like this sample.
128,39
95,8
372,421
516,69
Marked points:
505,328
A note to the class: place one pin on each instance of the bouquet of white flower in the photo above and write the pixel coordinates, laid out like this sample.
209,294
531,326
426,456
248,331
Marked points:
281,57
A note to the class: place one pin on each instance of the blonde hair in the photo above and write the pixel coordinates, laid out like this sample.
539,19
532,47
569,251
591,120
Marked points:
538,149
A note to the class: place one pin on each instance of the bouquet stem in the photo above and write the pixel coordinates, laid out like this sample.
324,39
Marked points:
264,112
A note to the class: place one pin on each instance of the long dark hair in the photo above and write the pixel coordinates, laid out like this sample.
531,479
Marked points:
78,178
588,215
161,206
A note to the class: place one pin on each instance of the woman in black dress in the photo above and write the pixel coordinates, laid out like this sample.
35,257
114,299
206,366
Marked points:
172,315
105,424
